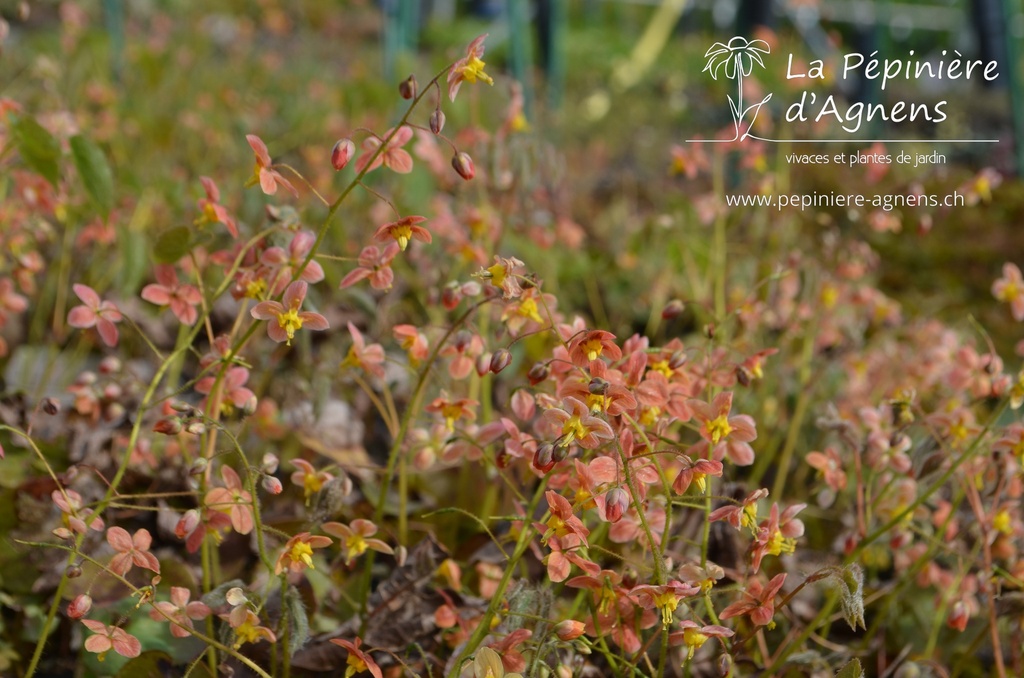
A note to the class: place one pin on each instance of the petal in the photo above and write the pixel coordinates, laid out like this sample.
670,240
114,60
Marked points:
126,644
212,192
295,294
142,540
267,310
355,276
401,137
259,148
87,295
398,160
82,317
275,256
156,294
241,519
119,538
268,183
313,321
277,333
230,477
108,331
97,643
180,596
95,626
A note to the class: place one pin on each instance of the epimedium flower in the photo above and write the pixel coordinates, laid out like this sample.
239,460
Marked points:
308,478
394,157
131,550
73,514
355,538
285,318
264,174
758,602
718,427
232,499
469,68
284,263
452,409
696,472
1010,289
588,346
358,660
487,664
665,597
693,636
234,392
109,638
402,231
360,356
503,274
179,611
577,424
413,342
298,552
167,291
830,465
247,628
95,313
777,534
562,521
375,265
210,209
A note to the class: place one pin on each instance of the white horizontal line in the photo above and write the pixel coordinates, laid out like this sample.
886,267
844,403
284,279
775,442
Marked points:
849,141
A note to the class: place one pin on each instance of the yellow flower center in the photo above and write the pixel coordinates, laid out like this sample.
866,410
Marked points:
829,296
520,123
779,544
355,545
606,600
290,322
597,403
592,348
650,415
719,428
749,516
302,552
663,367
573,429
558,526
352,358
355,665
451,414
1003,523
584,499
256,289
528,309
246,633
473,70
667,603
311,484
402,234
701,480
693,639
498,274
1010,292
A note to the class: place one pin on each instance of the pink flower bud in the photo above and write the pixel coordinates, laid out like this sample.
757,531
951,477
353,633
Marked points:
437,121
270,463
483,364
543,460
501,359
569,629
272,485
616,501
51,406
463,164
538,373
80,606
187,524
342,153
171,426
958,616
673,309
408,87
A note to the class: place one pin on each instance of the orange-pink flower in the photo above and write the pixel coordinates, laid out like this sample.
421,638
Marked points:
758,602
402,231
469,68
298,552
210,209
355,538
232,499
285,319
1010,288
717,427
360,356
264,174
167,291
591,345
95,313
131,550
374,264
179,611
111,638
394,157
358,661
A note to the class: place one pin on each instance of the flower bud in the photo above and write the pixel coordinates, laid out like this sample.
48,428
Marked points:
616,501
73,572
451,296
437,121
743,375
725,665
170,426
80,606
598,386
482,364
272,485
463,164
236,596
198,467
569,629
342,153
501,359
50,405
110,364
196,428
270,463
709,330
543,459
673,309
187,524
408,87
560,453
958,616
677,359
538,373
249,408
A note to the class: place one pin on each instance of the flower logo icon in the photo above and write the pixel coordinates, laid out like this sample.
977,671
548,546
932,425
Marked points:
736,59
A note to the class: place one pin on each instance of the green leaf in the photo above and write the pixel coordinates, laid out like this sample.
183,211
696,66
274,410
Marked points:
95,172
851,670
38,148
298,621
173,244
